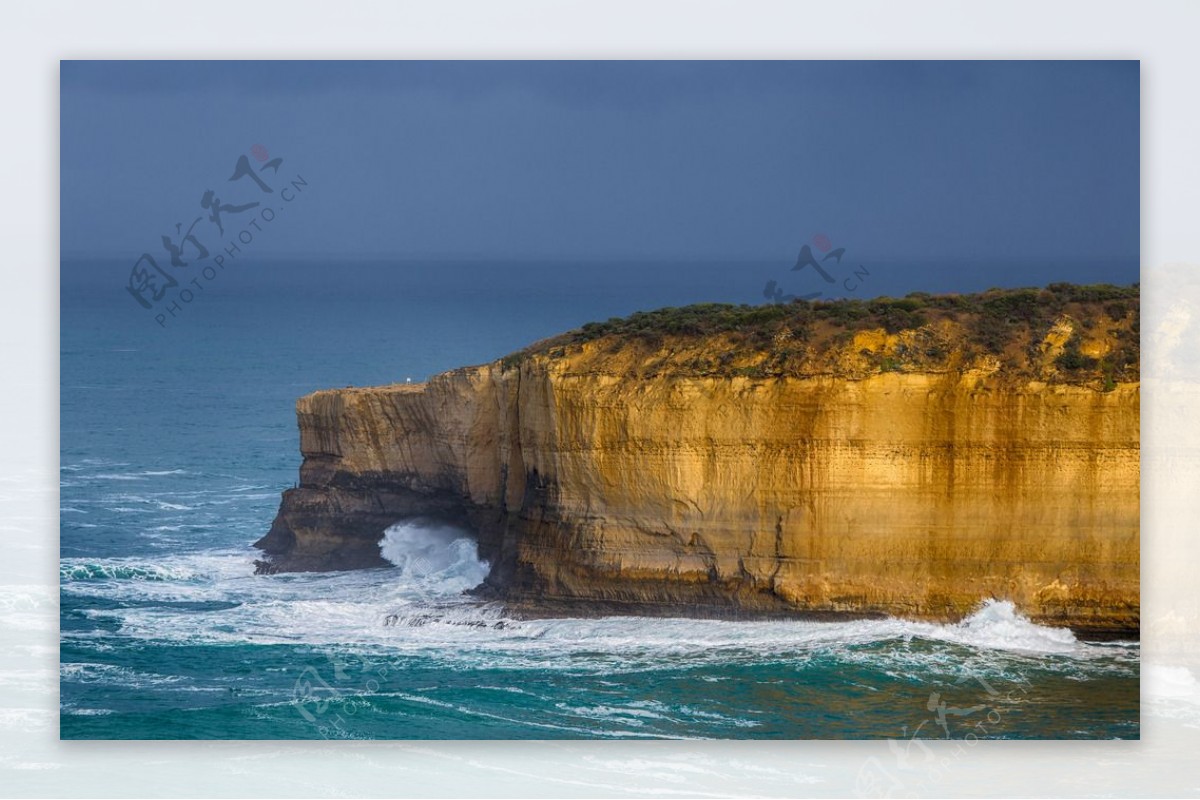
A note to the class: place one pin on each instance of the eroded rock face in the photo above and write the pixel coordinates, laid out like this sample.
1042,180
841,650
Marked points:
916,492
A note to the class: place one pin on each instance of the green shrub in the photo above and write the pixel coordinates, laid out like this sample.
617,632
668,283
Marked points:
994,321
1073,359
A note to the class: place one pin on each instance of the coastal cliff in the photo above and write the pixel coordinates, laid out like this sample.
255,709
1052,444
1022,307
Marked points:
907,457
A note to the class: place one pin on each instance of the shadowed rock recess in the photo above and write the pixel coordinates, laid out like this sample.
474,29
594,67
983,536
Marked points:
906,457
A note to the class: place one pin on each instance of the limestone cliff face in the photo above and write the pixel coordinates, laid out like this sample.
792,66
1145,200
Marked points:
916,491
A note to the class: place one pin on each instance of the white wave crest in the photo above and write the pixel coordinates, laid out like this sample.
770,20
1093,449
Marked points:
434,559
120,569
419,607
998,625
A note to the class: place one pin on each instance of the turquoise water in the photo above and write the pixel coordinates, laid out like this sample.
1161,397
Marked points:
177,441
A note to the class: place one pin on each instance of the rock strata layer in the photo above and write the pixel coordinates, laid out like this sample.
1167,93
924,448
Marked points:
844,489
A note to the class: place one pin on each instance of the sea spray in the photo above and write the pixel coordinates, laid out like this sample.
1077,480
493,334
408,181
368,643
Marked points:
433,557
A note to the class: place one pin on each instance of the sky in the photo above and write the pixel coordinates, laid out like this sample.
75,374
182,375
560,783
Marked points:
1003,161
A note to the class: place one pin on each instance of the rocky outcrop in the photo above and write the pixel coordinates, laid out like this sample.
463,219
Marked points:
881,475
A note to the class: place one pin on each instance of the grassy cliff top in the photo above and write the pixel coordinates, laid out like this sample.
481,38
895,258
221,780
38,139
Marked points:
1063,333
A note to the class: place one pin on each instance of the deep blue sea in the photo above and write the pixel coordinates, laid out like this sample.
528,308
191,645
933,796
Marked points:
177,441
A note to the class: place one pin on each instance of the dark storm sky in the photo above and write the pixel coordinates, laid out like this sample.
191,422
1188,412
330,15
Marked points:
997,161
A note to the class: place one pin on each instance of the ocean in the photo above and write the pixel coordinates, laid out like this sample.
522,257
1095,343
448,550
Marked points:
177,440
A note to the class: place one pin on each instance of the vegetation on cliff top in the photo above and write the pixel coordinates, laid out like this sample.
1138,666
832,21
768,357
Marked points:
1064,332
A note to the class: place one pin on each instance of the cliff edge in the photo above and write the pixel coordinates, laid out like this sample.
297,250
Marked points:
906,457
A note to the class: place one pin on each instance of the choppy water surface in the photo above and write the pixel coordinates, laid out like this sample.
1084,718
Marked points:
176,444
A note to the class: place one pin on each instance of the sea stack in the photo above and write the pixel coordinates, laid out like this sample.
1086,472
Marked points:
909,457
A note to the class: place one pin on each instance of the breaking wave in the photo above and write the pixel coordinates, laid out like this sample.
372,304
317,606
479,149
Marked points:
71,570
419,606
433,558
